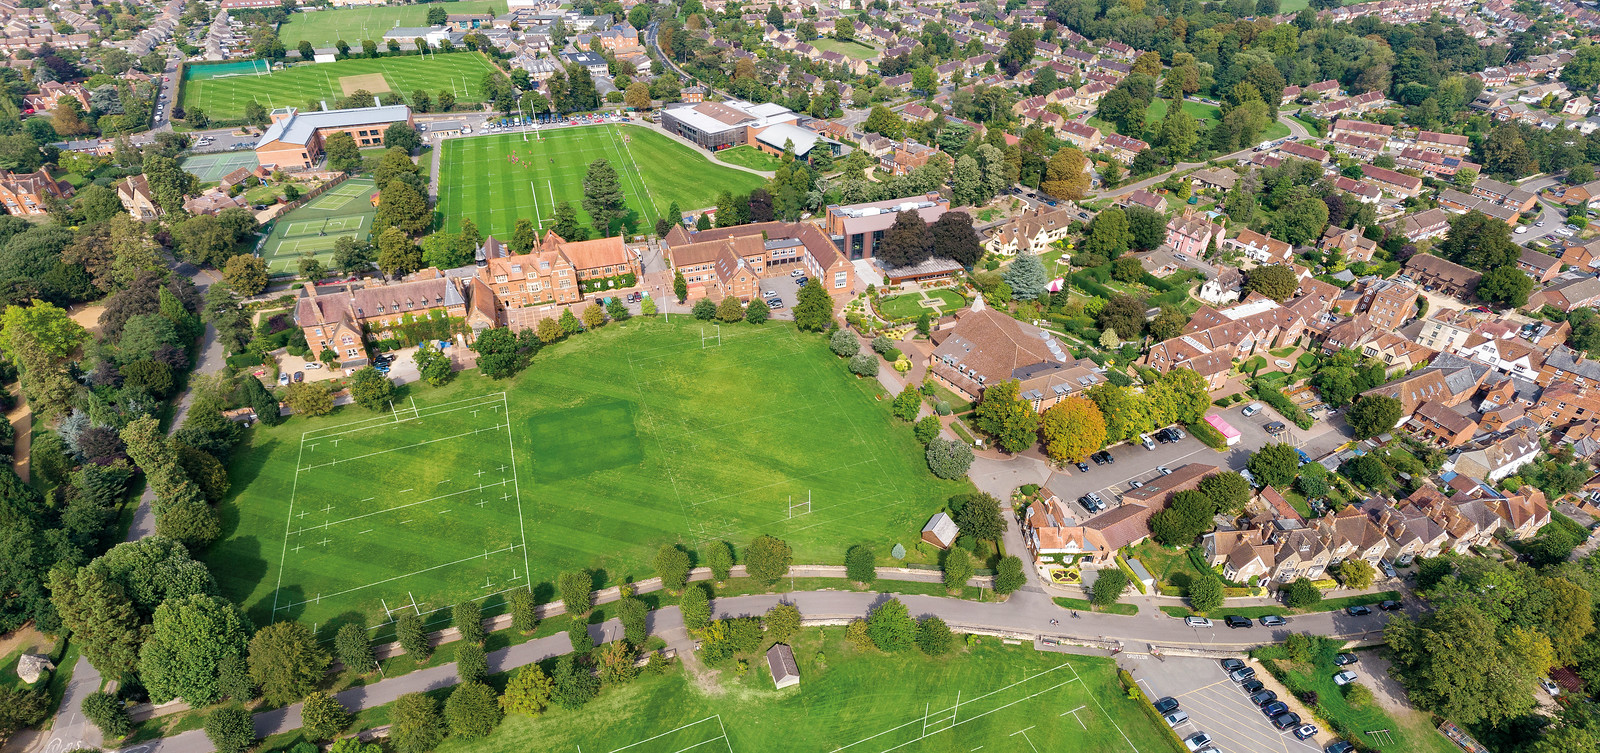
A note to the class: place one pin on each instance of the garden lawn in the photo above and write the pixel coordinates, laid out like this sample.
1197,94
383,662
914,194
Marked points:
857,702
324,28
608,446
910,306
478,178
1170,568
751,157
847,48
1411,732
304,83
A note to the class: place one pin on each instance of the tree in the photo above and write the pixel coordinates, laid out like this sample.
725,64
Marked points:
1018,51
1275,465
1227,491
979,517
1188,516
814,310
1302,221
246,274
342,152
1275,281
472,710
638,95
309,399
634,616
574,686
1108,236
413,639
101,617
890,626
371,389
1355,573
1205,593
1066,176
1006,417
602,196
954,238
1301,594
949,458
1583,70
528,692
767,559
695,605
843,343
859,564
730,310
467,616
106,711
189,637
286,661
1008,575
907,242
1479,241
323,717
1026,276
863,365
680,286
40,328
229,729
927,429
1072,429
354,648
672,564
404,207
397,255
524,236
577,591
884,122
1373,415
957,569
1452,664
1505,286
594,317
566,222
415,725
704,310
719,557
934,637
1108,587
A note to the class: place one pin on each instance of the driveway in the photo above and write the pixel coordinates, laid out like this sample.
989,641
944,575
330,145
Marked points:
1216,705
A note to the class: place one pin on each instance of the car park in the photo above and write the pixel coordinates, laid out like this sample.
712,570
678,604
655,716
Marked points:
1273,620
1305,731
1285,721
1175,718
1166,705
1235,621
1197,622
1264,697
1344,660
1344,678
1275,708
1389,605
1358,610
1248,673
1197,741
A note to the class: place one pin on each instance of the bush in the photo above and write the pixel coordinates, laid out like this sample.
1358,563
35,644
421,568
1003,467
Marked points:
230,730
863,365
472,710
843,343
1302,593
1358,695
106,711
1281,402
858,564
1109,587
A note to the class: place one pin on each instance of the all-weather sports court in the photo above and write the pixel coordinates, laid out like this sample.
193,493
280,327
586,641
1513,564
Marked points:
346,210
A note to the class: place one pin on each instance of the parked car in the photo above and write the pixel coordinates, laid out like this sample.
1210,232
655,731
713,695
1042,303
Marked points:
1275,708
1389,605
1263,697
1163,470
1345,678
1135,484
299,376
313,366
1230,665
1388,568
1339,746
1275,428
1235,621
1197,741
1251,687
1252,409
283,378
794,273
1305,731
1082,466
1273,620
1176,718
1285,721
1358,610
1344,660
1166,705
1549,687
1104,458
1197,622
1248,673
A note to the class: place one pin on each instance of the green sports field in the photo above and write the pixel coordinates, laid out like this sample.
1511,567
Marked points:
479,179
303,83
607,447
324,28
345,210
1013,699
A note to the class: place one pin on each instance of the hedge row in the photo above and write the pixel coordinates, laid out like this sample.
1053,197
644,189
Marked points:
1213,438
1282,403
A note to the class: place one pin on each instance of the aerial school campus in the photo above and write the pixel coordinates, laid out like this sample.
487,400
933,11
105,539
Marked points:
746,376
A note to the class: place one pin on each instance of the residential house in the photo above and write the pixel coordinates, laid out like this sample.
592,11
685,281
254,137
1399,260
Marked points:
1351,244
1350,535
1191,234
1449,380
1123,148
1143,198
1032,232
28,194
336,321
1443,424
1541,267
987,347
1435,273
1393,182
134,193
1504,194
1259,248
1568,295
1444,143
1498,456
1223,288
1084,137
1424,225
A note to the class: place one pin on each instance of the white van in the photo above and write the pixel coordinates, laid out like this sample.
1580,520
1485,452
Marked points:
1252,409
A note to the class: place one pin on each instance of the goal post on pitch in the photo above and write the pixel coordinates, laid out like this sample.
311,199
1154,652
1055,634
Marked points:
715,337
803,507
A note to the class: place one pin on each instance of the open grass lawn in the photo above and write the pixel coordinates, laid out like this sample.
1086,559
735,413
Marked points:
1084,605
1410,732
323,28
304,83
1208,115
1012,698
749,156
849,49
479,179
607,447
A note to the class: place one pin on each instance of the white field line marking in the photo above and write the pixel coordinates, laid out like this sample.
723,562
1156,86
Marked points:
516,487
331,524
487,399
668,732
283,556
1112,719
507,548
407,447
969,702
389,421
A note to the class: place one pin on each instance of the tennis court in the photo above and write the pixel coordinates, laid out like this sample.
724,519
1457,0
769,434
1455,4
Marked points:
210,168
344,211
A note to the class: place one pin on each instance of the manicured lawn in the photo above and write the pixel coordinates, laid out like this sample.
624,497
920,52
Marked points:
951,300
1170,567
324,28
1208,115
911,306
1085,606
749,156
856,702
478,178
1410,732
304,83
849,49
1225,610
608,446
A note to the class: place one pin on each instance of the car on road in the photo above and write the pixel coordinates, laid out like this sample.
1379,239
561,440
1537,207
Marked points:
1166,705
1273,620
1285,721
1389,605
1163,470
1305,731
1345,660
1275,708
1252,409
1521,230
1263,697
1197,622
1235,621
1248,673
1358,610
1345,678
1538,223
1176,718
1197,741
